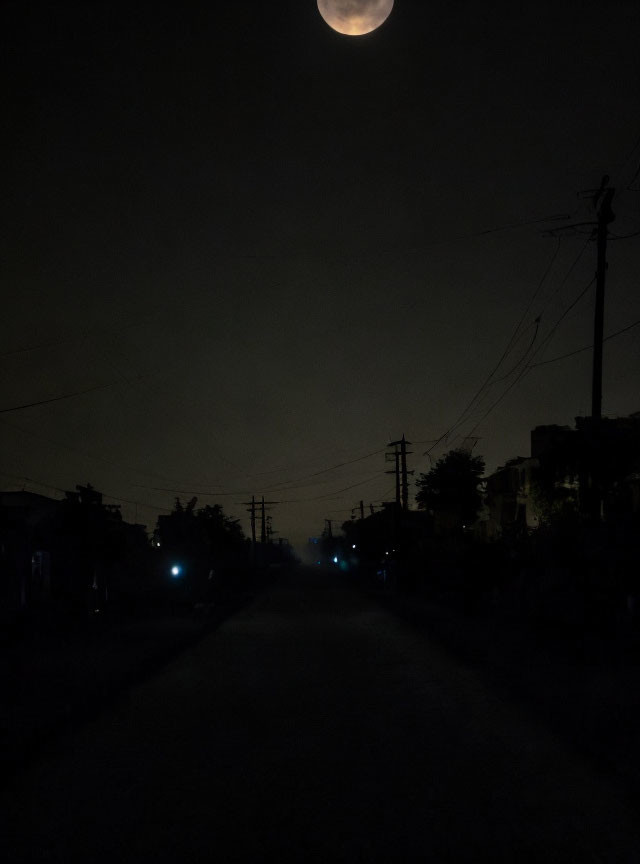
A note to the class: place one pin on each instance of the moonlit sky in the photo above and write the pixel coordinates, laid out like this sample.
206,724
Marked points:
267,240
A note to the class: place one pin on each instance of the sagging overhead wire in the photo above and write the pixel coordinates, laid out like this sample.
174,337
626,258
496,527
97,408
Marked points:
528,367
44,485
509,346
469,410
127,469
336,494
56,398
237,492
585,347
278,487
454,238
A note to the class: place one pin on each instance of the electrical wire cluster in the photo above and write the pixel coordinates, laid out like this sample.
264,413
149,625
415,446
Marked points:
528,341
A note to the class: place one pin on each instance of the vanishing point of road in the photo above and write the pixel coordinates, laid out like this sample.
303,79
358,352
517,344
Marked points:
315,726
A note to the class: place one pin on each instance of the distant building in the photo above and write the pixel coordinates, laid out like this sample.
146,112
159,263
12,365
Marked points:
508,500
64,552
604,455
26,524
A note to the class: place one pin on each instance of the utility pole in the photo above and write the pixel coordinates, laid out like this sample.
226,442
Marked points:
252,506
402,479
605,216
396,470
602,199
265,505
251,510
270,531
360,507
328,528
405,473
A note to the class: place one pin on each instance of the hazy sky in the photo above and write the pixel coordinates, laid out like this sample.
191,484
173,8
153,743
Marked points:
267,240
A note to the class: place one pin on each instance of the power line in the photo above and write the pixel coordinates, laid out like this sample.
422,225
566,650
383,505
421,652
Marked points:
522,359
84,453
585,347
624,236
337,493
494,229
465,413
64,491
72,337
284,485
629,186
342,464
527,368
56,398
520,363
29,349
277,487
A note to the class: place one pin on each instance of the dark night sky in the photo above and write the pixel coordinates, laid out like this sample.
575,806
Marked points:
250,227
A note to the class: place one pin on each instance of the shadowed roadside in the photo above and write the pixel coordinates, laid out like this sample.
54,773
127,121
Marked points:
315,725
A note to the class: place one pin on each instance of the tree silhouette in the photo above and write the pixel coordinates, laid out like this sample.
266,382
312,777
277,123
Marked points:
450,490
206,537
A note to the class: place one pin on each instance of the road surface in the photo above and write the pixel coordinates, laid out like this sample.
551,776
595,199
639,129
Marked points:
315,726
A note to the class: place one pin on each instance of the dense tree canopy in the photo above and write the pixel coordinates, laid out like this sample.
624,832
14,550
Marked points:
450,490
207,534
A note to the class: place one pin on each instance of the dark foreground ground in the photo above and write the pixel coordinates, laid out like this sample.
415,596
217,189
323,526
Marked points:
55,674
316,725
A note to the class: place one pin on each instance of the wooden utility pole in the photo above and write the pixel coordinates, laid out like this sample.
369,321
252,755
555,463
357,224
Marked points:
602,199
359,507
402,474
270,531
265,505
605,217
396,470
405,473
251,510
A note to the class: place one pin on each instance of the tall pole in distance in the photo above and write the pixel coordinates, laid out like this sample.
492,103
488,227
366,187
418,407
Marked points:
396,470
253,521
362,509
263,525
405,482
401,472
252,505
270,531
251,510
605,216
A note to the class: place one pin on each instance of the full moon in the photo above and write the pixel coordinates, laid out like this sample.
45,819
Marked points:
355,17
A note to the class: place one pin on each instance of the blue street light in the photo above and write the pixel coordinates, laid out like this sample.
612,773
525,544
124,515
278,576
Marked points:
176,570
